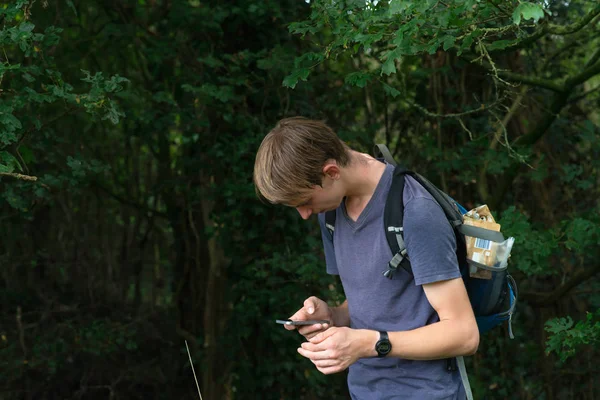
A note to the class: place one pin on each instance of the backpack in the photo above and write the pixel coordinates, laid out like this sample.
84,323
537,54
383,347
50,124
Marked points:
493,300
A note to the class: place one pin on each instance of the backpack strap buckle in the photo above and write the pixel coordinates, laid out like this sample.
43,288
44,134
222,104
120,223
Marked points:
395,262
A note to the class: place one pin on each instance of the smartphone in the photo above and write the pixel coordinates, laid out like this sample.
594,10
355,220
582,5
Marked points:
296,323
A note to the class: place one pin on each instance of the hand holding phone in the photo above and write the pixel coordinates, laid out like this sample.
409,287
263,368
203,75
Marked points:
314,317
301,323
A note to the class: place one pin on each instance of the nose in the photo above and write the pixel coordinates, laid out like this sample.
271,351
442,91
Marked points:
304,212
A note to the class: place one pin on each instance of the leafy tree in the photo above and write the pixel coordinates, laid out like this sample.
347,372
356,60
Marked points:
139,121
481,97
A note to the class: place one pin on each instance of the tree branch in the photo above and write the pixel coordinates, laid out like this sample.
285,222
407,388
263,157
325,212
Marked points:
532,81
552,29
575,41
583,76
19,176
481,108
513,76
547,299
558,102
593,59
482,182
575,99
541,31
575,27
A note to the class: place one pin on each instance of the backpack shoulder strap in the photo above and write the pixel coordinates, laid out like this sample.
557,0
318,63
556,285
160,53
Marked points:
393,219
382,151
330,222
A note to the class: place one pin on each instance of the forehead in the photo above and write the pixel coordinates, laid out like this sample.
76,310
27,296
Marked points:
301,198
299,202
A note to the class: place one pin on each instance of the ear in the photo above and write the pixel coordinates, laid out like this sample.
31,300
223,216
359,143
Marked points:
331,169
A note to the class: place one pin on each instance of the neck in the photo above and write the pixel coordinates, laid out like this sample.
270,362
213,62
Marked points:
364,173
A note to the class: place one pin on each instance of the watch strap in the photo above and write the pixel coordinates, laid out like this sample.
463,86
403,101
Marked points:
383,345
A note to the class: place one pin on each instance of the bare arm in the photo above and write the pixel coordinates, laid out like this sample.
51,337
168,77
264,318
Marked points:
456,334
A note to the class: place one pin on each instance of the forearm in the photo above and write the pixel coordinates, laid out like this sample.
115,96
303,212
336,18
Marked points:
444,339
340,315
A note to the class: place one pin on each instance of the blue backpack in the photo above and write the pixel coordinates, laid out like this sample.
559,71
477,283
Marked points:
493,300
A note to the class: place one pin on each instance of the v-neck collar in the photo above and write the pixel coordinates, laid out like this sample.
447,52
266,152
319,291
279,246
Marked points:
383,181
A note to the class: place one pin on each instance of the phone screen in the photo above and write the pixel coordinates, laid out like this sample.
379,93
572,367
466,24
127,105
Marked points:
296,323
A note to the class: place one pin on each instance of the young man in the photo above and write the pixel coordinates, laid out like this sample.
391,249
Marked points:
425,319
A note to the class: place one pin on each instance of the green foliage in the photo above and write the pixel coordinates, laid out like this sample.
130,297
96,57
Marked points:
536,249
141,122
31,82
358,79
274,288
582,235
533,247
567,337
408,28
299,74
97,102
527,10
8,162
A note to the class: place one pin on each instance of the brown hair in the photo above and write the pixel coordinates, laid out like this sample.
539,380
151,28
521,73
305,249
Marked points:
290,159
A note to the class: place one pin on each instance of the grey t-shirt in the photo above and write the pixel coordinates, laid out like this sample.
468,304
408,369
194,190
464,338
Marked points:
359,254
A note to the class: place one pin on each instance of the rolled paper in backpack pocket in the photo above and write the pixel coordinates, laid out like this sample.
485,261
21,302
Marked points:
485,255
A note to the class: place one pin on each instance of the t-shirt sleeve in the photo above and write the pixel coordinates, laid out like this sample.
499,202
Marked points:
328,247
430,242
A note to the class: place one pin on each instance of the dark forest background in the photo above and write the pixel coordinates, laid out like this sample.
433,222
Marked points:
129,222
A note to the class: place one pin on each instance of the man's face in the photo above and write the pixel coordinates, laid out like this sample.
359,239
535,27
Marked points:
322,198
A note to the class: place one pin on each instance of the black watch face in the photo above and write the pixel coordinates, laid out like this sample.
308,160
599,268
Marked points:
384,347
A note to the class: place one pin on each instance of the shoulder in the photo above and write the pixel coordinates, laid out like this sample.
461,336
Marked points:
419,203
424,218
413,190
430,241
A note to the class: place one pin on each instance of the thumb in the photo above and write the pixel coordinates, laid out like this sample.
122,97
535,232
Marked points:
310,305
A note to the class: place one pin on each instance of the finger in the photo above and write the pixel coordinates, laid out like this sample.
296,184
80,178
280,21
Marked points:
311,335
300,315
310,305
312,329
312,347
318,355
326,363
304,353
330,370
323,335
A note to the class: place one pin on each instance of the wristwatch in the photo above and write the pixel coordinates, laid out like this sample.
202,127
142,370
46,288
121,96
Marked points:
383,345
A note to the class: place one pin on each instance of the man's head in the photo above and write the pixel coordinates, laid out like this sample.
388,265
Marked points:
295,157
